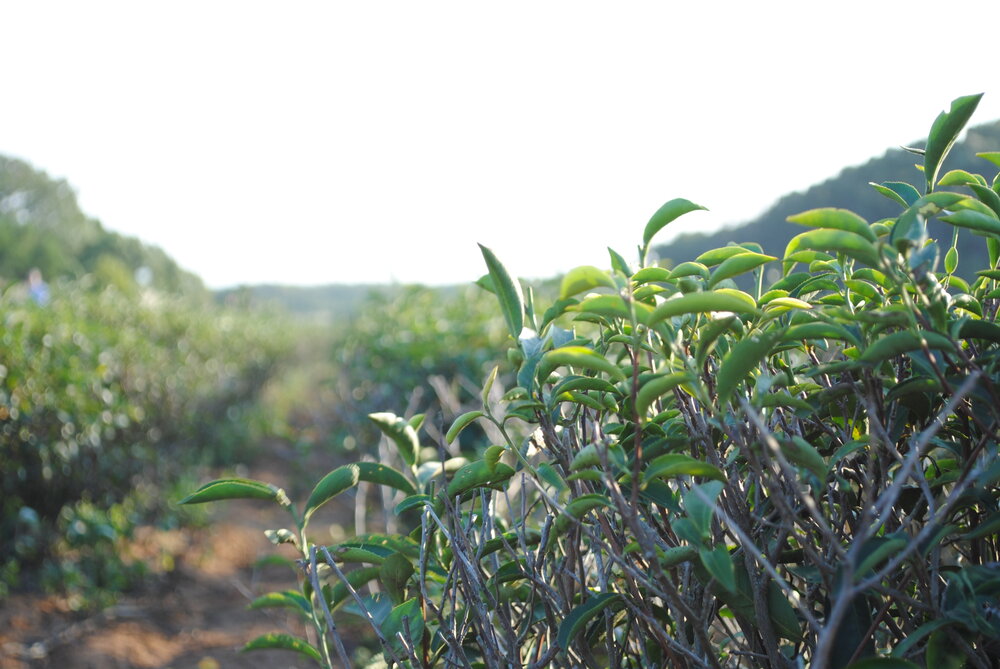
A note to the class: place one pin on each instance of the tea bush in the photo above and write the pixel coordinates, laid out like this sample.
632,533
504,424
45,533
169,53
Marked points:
691,475
101,393
412,350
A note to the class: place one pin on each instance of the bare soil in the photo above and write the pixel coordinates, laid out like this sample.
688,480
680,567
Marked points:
191,615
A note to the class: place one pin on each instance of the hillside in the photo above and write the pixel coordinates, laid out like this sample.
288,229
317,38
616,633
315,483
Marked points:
849,190
42,226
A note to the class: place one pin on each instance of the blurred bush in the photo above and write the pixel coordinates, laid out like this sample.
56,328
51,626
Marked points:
103,392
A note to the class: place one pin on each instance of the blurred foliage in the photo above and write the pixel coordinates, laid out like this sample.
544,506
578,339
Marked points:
41,226
102,393
411,350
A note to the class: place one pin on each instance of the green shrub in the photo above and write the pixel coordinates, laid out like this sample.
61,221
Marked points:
101,392
698,476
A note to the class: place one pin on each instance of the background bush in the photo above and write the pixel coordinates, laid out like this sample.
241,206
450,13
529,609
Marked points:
102,393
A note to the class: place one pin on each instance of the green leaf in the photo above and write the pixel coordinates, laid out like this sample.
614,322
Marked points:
719,564
899,343
699,503
461,423
411,502
800,452
340,479
992,156
690,269
951,260
401,433
582,614
488,386
276,641
959,178
394,572
376,472
235,489
508,292
291,599
738,264
666,214
717,256
618,263
679,464
584,278
578,508
581,357
357,578
477,474
394,624
743,358
850,244
901,192
944,132
916,635
835,219
655,388
974,220
943,653
876,550
717,300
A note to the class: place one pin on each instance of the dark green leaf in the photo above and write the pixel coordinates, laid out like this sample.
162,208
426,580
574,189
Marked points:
719,564
680,464
582,614
393,625
394,572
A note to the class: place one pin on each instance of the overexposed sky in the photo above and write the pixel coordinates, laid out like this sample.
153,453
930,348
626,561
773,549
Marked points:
320,142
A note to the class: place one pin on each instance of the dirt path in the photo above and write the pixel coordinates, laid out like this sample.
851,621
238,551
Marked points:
192,616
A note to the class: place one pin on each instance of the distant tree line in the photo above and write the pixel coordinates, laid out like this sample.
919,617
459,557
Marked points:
42,226
849,190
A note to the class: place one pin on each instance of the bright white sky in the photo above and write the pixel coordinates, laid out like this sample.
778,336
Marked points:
318,142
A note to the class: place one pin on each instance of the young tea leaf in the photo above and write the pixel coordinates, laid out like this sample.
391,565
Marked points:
578,356
584,278
234,489
275,641
508,292
944,132
667,214
460,424
376,472
835,219
401,433
331,485
717,300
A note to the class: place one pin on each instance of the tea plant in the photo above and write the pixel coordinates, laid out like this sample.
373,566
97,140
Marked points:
691,475
103,394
